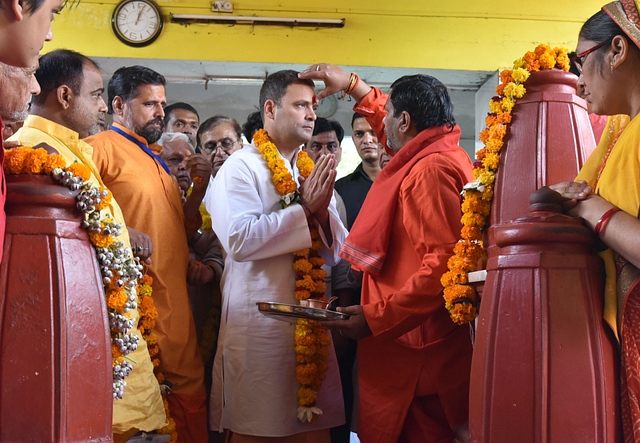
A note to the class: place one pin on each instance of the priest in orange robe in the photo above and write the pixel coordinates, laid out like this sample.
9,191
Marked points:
414,362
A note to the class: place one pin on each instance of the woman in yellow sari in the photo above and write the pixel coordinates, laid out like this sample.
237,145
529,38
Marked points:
607,195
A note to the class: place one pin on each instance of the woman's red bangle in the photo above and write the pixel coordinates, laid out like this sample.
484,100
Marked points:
604,219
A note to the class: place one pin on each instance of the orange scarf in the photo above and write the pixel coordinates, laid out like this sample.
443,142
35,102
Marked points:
365,251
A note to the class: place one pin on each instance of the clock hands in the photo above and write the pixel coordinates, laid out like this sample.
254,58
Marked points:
140,14
137,22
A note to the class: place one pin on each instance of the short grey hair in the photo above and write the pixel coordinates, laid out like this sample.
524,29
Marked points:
169,137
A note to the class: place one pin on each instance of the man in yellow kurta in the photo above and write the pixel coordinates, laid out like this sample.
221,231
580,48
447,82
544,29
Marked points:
69,107
131,168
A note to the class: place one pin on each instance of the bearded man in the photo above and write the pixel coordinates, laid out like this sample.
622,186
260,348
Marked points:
130,166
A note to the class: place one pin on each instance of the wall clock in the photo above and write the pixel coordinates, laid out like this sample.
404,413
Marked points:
327,106
137,22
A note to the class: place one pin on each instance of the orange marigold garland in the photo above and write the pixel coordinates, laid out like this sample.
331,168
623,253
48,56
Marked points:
311,338
148,315
460,298
119,269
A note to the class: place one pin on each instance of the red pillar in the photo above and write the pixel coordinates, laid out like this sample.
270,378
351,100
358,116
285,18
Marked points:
55,351
547,142
543,367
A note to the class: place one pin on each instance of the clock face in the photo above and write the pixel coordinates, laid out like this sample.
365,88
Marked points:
327,106
137,22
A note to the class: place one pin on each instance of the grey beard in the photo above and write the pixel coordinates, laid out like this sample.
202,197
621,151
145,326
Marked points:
151,135
17,116
94,129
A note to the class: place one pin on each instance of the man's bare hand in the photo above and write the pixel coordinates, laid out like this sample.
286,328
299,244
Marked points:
356,327
141,245
199,274
316,191
335,78
200,171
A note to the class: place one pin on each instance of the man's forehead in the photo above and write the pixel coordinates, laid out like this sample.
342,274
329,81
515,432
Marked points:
324,137
388,105
147,90
300,92
361,124
182,114
178,146
220,128
91,73
18,73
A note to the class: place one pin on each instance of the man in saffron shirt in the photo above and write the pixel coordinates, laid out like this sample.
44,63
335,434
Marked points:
24,27
414,362
131,168
70,107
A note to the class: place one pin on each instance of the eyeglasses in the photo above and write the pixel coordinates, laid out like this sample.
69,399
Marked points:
212,145
580,58
332,147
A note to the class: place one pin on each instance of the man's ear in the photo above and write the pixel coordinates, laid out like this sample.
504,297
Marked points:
404,125
64,94
269,109
15,8
118,105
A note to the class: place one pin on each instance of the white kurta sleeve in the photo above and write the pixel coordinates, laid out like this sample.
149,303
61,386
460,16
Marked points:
247,217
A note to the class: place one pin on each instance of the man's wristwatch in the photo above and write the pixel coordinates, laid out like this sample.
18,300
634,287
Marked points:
196,237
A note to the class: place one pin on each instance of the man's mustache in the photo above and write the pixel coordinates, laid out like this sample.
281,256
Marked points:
154,121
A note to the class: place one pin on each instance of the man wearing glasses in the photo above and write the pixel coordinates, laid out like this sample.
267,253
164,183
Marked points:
218,137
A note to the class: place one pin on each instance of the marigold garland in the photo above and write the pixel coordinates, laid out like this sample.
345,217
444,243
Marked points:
119,269
148,315
311,338
460,298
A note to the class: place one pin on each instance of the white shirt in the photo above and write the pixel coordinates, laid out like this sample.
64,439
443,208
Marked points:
254,383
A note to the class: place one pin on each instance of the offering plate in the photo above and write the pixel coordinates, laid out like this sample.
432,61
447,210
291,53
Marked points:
290,313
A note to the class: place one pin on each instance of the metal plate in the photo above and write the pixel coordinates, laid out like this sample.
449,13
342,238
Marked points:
290,313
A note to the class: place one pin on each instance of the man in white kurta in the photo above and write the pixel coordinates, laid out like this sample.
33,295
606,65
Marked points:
254,380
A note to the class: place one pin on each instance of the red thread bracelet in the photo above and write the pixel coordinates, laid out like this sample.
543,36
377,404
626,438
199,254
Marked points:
305,207
604,219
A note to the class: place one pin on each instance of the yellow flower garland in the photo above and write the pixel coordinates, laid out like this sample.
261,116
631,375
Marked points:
460,298
311,338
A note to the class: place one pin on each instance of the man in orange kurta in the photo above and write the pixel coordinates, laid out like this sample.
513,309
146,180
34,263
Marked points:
414,362
131,168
